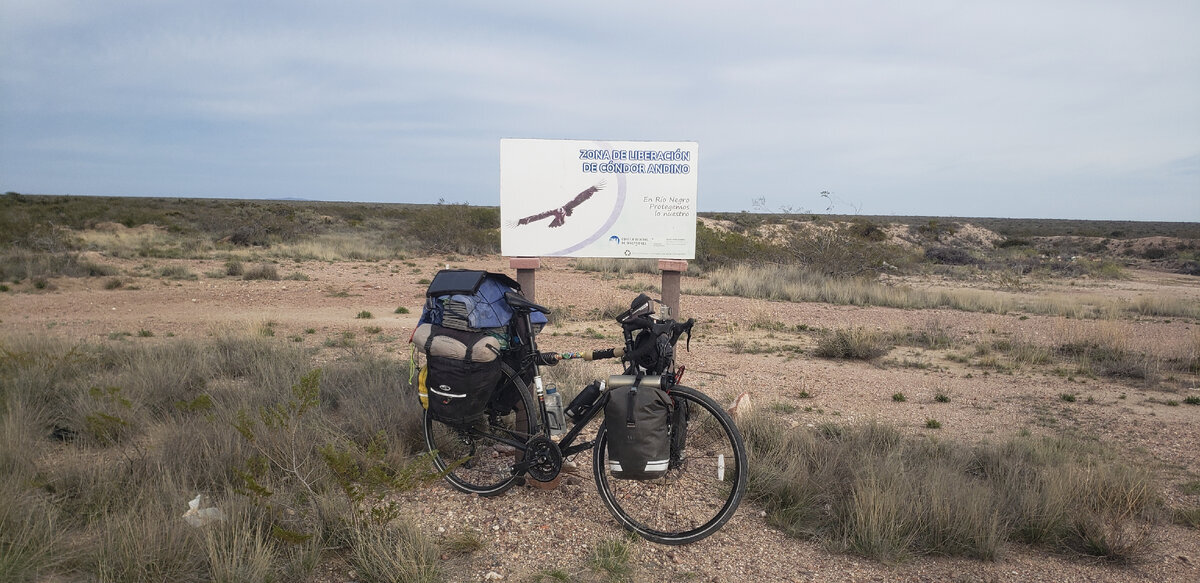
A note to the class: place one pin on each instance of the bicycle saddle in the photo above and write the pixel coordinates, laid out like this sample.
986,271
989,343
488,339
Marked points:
517,301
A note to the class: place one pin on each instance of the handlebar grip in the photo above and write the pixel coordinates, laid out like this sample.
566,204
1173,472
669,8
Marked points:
602,354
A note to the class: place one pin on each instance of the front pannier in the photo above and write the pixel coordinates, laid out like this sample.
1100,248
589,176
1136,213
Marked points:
637,421
461,372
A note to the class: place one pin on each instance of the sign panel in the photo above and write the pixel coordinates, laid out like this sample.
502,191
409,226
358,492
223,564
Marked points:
581,198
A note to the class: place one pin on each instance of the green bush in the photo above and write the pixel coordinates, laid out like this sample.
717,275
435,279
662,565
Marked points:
716,247
453,228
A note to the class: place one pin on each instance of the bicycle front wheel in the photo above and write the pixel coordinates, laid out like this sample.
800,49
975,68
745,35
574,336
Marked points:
702,488
472,455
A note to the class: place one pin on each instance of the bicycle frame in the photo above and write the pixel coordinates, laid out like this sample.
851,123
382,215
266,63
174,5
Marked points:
532,357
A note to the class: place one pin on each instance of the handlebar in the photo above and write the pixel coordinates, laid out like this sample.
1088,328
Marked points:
603,354
595,354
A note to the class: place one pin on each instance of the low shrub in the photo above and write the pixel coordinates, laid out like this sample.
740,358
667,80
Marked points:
950,256
853,343
719,247
265,271
18,264
177,272
1110,359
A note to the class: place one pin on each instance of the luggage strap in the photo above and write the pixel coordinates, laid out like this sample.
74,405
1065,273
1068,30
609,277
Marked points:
629,420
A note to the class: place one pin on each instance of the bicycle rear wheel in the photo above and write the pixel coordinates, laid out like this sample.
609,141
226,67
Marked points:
474,459
702,488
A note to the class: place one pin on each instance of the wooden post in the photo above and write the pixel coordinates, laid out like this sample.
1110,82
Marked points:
526,267
672,272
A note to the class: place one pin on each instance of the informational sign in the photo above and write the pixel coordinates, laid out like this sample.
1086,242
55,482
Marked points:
581,198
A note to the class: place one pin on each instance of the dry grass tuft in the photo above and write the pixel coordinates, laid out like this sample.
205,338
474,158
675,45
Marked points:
1106,350
104,445
796,283
337,247
395,553
854,343
869,490
265,271
624,267
612,559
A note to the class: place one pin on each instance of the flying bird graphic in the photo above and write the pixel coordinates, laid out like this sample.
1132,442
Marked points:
561,213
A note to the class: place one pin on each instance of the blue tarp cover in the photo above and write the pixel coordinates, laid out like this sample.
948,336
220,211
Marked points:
484,309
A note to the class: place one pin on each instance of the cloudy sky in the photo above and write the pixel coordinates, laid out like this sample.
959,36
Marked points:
1048,108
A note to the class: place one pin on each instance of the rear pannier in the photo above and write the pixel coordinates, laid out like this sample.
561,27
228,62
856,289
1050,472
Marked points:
461,372
637,420
467,331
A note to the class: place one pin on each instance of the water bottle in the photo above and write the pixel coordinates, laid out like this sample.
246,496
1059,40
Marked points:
554,410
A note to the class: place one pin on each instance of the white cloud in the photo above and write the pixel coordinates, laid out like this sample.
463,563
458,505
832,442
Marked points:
902,106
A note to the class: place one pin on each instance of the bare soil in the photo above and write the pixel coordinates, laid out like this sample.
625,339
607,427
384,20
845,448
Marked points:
529,531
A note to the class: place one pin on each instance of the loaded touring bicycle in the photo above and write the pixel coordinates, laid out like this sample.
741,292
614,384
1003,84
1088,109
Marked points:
667,460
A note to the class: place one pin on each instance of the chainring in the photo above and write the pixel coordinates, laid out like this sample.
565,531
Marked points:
544,457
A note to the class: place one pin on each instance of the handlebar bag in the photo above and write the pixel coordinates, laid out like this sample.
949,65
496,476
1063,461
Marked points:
637,420
461,372
652,351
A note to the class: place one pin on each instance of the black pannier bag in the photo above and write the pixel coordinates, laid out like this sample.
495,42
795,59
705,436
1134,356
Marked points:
638,421
461,372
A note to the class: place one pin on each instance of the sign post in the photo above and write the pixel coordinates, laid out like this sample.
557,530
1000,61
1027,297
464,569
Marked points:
526,268
672,273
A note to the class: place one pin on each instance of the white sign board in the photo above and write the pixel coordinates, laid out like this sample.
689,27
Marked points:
581,198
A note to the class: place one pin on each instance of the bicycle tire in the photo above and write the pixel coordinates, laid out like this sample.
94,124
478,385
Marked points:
696,497
474,463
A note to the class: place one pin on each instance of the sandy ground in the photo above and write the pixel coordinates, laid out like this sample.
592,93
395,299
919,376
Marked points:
525,530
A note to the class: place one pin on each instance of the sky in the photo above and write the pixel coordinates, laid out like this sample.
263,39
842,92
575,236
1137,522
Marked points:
1039,109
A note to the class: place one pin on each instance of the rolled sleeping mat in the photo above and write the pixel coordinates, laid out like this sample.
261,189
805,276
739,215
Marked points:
437,340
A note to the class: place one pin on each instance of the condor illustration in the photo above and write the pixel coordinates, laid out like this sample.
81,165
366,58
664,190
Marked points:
561,213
